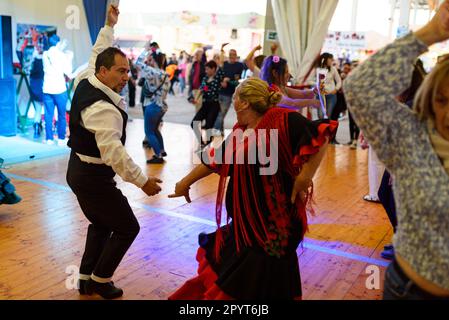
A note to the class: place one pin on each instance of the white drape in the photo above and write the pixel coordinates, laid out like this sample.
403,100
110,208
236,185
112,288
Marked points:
302,27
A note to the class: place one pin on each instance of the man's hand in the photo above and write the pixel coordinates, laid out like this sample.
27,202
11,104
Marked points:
224,45
112,18
258,47
152,188
181,190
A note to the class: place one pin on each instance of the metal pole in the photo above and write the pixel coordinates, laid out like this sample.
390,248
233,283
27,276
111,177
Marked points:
392,10
404,18
355,6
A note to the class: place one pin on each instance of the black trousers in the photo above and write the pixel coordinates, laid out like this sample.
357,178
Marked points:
113,225
354,130
209,112
386,197
132,94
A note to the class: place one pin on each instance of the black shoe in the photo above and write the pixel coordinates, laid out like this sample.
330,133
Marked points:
105,290
155,160
388,247
164,154
335,142
82,286
388,254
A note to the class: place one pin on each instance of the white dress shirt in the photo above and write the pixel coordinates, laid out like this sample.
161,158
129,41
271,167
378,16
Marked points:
106,122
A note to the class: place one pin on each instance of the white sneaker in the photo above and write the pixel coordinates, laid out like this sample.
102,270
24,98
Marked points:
50,142
62,142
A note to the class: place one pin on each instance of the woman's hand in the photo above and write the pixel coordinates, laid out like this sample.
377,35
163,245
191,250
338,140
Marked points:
181,190
300,188
437,29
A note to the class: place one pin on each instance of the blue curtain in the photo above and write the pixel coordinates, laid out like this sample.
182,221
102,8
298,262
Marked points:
96,16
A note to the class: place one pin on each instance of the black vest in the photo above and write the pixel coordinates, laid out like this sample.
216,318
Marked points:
81,140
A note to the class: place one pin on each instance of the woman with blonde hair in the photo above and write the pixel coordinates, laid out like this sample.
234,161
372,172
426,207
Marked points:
414,146
254,255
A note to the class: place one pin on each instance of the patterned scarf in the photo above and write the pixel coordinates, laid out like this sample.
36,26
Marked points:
261,228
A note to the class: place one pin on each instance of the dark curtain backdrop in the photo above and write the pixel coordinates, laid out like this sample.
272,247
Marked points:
96,16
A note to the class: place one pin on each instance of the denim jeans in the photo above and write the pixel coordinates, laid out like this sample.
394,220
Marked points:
398,286
331,101
225,104
152,120
50,100
182,85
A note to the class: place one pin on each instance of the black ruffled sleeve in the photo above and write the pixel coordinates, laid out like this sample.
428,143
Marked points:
306,136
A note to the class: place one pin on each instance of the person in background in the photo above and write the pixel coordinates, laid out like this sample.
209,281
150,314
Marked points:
155,91
354,130
210,87
173,72
153,47
196,74
132,84
232,73
182,67
36,86
57,65
332,83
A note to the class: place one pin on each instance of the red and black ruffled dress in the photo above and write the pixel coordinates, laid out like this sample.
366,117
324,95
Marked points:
254,255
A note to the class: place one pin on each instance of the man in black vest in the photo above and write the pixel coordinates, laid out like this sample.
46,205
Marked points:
97,138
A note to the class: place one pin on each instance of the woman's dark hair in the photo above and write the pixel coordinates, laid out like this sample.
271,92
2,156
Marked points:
271,65
159,58
211,64
323,60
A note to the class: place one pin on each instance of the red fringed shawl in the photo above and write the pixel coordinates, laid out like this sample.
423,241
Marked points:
270,231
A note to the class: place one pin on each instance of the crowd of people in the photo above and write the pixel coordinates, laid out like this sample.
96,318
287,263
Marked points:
253,256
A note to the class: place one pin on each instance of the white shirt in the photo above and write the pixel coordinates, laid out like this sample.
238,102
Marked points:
106,122
332,81
56,64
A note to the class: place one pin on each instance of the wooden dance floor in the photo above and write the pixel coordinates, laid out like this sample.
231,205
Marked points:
42,237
